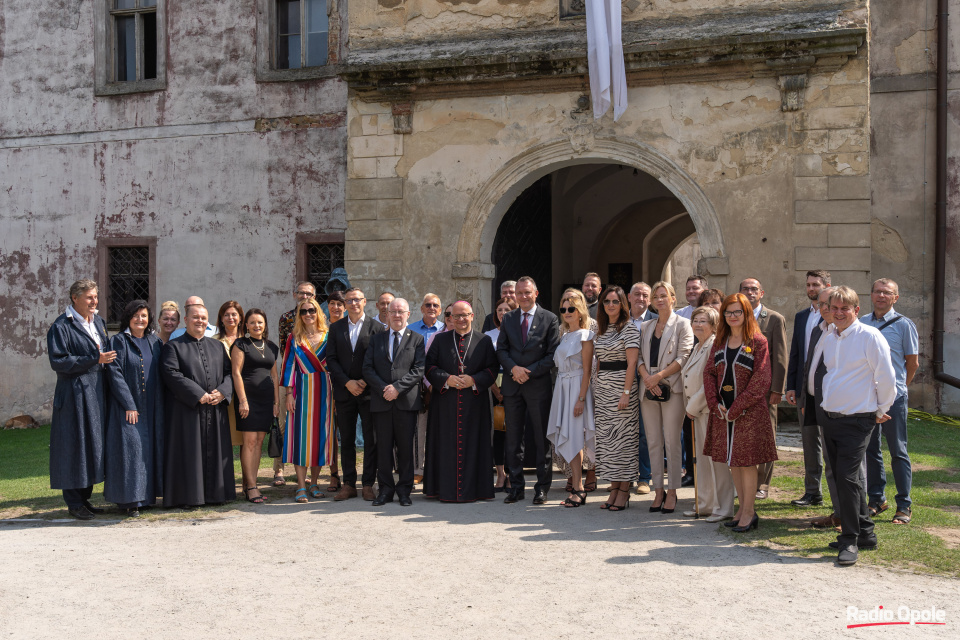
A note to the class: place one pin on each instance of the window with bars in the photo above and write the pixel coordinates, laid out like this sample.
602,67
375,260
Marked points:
128,274
322,259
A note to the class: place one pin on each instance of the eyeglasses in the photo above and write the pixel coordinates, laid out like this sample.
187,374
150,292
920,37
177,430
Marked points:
446,314
432,305
462,316
354,300
567,309
611,302
397,313
733,314
310,311
303,294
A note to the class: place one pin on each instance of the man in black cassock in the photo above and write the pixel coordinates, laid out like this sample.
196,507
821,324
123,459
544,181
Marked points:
461,366
198,456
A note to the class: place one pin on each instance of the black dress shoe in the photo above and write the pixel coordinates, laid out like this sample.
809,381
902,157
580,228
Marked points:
847,556
869,542
807,500
513,496
133,513
91,508
80,513
540,497
686,481
405,501
383,499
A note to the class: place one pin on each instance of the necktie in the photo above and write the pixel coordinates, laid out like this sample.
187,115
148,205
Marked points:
523,327
396,344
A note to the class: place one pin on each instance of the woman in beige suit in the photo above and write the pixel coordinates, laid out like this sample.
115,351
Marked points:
714,481
665,344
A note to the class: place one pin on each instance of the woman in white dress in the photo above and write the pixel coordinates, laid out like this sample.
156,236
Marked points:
571,427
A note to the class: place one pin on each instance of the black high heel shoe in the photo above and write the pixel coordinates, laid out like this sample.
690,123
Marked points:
730,524
659,507
626,505
753,524
664,509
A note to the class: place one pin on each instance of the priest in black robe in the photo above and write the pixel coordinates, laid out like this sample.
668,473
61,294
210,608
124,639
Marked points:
461,365
198,455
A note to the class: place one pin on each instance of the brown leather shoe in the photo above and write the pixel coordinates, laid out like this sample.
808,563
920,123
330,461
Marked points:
826,521
417,479
345,493
368,493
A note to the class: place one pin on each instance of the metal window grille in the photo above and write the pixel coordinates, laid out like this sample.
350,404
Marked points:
129,275
322,259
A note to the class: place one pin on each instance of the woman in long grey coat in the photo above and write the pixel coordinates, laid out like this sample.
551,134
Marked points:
76,345
134,434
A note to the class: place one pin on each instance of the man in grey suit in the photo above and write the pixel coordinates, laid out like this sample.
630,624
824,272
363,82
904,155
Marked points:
393,367
528,338
774,329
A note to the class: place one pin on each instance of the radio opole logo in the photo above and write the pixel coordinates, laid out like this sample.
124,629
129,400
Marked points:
902,615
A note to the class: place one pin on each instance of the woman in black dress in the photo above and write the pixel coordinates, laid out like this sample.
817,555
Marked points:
254,361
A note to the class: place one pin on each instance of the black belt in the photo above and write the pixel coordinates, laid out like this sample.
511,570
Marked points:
840,416
618,365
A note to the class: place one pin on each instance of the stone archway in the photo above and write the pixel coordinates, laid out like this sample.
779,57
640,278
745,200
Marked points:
473,270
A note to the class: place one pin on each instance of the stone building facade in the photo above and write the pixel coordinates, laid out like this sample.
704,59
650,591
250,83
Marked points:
450,143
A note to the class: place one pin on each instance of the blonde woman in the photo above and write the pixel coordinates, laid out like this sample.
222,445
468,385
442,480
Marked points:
714,481
665,344
169,320
571,427
309,434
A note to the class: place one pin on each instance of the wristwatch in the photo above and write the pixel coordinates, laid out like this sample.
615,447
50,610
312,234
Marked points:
626,392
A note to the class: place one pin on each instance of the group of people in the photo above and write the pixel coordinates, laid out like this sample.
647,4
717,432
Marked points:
621,385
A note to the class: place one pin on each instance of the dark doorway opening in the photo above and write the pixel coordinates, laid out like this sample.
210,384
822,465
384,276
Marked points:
524,243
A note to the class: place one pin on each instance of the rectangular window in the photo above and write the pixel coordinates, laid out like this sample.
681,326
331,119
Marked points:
301,33
322,259
129,278
135,40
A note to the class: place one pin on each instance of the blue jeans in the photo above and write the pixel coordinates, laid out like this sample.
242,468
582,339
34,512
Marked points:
895,432
644,456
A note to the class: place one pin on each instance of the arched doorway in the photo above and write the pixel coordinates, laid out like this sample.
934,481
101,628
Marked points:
603,159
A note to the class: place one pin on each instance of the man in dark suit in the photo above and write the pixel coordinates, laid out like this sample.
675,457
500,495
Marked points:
346,346
528,338
804,325
393,367
774,329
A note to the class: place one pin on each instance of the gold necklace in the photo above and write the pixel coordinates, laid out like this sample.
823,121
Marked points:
261,348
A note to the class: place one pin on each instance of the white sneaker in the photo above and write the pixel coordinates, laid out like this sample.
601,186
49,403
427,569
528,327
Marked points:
690,514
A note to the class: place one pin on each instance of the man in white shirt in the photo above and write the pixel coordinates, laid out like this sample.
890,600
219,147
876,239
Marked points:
859,387
696,285
209,332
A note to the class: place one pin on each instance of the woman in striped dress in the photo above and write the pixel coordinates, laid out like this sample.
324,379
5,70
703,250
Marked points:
309,436
616,398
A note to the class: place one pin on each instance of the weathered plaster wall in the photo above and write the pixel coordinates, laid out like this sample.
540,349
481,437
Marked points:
375,20
785,185
197,166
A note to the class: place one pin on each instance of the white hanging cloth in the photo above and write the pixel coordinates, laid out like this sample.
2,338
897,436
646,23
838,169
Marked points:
608,77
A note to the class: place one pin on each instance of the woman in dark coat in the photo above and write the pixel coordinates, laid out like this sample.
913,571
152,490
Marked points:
736,383
134,434
77,347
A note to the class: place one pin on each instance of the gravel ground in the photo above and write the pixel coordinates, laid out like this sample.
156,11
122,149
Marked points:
484,570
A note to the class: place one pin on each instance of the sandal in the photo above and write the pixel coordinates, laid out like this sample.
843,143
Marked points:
315,492
876,509
625,506
902,517
570,503
569,487
279,480
301,496
258,499
613,498
591,485
334,487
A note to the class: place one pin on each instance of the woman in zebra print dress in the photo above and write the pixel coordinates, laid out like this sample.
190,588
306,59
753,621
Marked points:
616,398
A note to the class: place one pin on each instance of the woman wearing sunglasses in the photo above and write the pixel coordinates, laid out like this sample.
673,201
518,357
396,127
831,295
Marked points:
309,434
736,382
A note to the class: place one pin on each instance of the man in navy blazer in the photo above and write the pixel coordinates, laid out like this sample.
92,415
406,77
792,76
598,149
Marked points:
393,367
803,324
528,338
346,346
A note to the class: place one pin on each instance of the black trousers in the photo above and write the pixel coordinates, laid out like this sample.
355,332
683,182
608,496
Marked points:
846,443
529,406
77,497
688,445
395,429
347,413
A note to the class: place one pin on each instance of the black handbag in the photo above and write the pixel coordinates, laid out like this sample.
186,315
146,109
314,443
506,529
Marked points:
275,444
664,394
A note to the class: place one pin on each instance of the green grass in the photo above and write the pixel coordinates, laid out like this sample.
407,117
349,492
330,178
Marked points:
25,484
935,455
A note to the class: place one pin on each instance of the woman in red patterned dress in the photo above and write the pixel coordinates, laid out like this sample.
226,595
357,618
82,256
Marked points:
736,382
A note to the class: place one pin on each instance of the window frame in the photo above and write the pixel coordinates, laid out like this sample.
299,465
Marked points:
304,240
105,53
104,244
267,71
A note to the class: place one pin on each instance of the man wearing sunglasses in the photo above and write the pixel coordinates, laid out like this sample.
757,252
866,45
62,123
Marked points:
430,310
346,347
